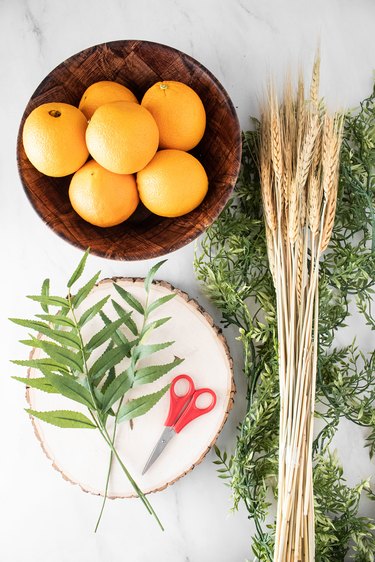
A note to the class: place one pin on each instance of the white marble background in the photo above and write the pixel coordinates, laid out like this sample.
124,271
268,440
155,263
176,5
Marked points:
42,518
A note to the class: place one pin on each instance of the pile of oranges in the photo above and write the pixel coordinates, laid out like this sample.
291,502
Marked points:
139,151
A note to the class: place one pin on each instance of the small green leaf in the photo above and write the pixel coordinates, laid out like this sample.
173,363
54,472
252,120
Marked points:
31,324
62,355
39,383
118,337
109,359
151,275
66,338
69,387
116,390
85,291
45,293
153,326
32,342
63,418
126,316
132,301
154,305
57,320
91,312
103,335
79,269
154,372
42,364
98,396
111,377
146,350
51,301
141,405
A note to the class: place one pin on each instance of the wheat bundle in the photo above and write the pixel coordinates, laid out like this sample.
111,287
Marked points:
298,159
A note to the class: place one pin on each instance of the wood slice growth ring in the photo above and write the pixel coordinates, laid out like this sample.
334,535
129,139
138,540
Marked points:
81,456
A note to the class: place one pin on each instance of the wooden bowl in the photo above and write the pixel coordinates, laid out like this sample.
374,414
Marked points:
137,65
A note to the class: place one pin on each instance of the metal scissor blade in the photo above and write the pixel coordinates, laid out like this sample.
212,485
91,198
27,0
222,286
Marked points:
165,437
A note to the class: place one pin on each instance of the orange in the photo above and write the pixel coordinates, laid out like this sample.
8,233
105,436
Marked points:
178,112
102,197
103,92
172,184
54,139
122,136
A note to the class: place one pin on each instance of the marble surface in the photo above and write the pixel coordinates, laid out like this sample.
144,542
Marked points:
42,517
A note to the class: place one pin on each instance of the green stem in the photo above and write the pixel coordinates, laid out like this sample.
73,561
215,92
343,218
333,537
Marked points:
105,491
82,348
109,468
139,492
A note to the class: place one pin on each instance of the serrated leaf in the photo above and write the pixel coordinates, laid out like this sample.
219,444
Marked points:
33,342
140,406
85,290
64,337
154,372
110,377
129,299
79,269
57,320
151,275
118,337
32,324
91,312
40,383
50,300
153,326
70,388
116,390
103,335
98,395
159,302
146,350
109,359
41,364
45,293
63,418
126,316
62,355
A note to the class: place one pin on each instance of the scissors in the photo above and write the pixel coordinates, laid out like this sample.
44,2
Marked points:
182,410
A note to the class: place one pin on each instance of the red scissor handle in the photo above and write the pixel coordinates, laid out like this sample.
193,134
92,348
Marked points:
192,411
178,403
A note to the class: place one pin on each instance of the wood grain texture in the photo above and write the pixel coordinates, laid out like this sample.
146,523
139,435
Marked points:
207,324
137,65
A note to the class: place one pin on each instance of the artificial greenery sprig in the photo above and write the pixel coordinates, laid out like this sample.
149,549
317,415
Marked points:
233,267
67,366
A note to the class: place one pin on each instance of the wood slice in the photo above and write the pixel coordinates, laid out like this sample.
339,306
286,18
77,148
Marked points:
81,456
137,65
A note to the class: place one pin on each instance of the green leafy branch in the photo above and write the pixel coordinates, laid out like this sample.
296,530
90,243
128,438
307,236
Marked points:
67,366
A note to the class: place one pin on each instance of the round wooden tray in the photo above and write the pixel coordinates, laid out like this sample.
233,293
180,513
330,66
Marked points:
137,65
82,457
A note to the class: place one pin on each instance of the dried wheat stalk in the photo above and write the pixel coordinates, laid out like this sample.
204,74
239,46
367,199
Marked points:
298,158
